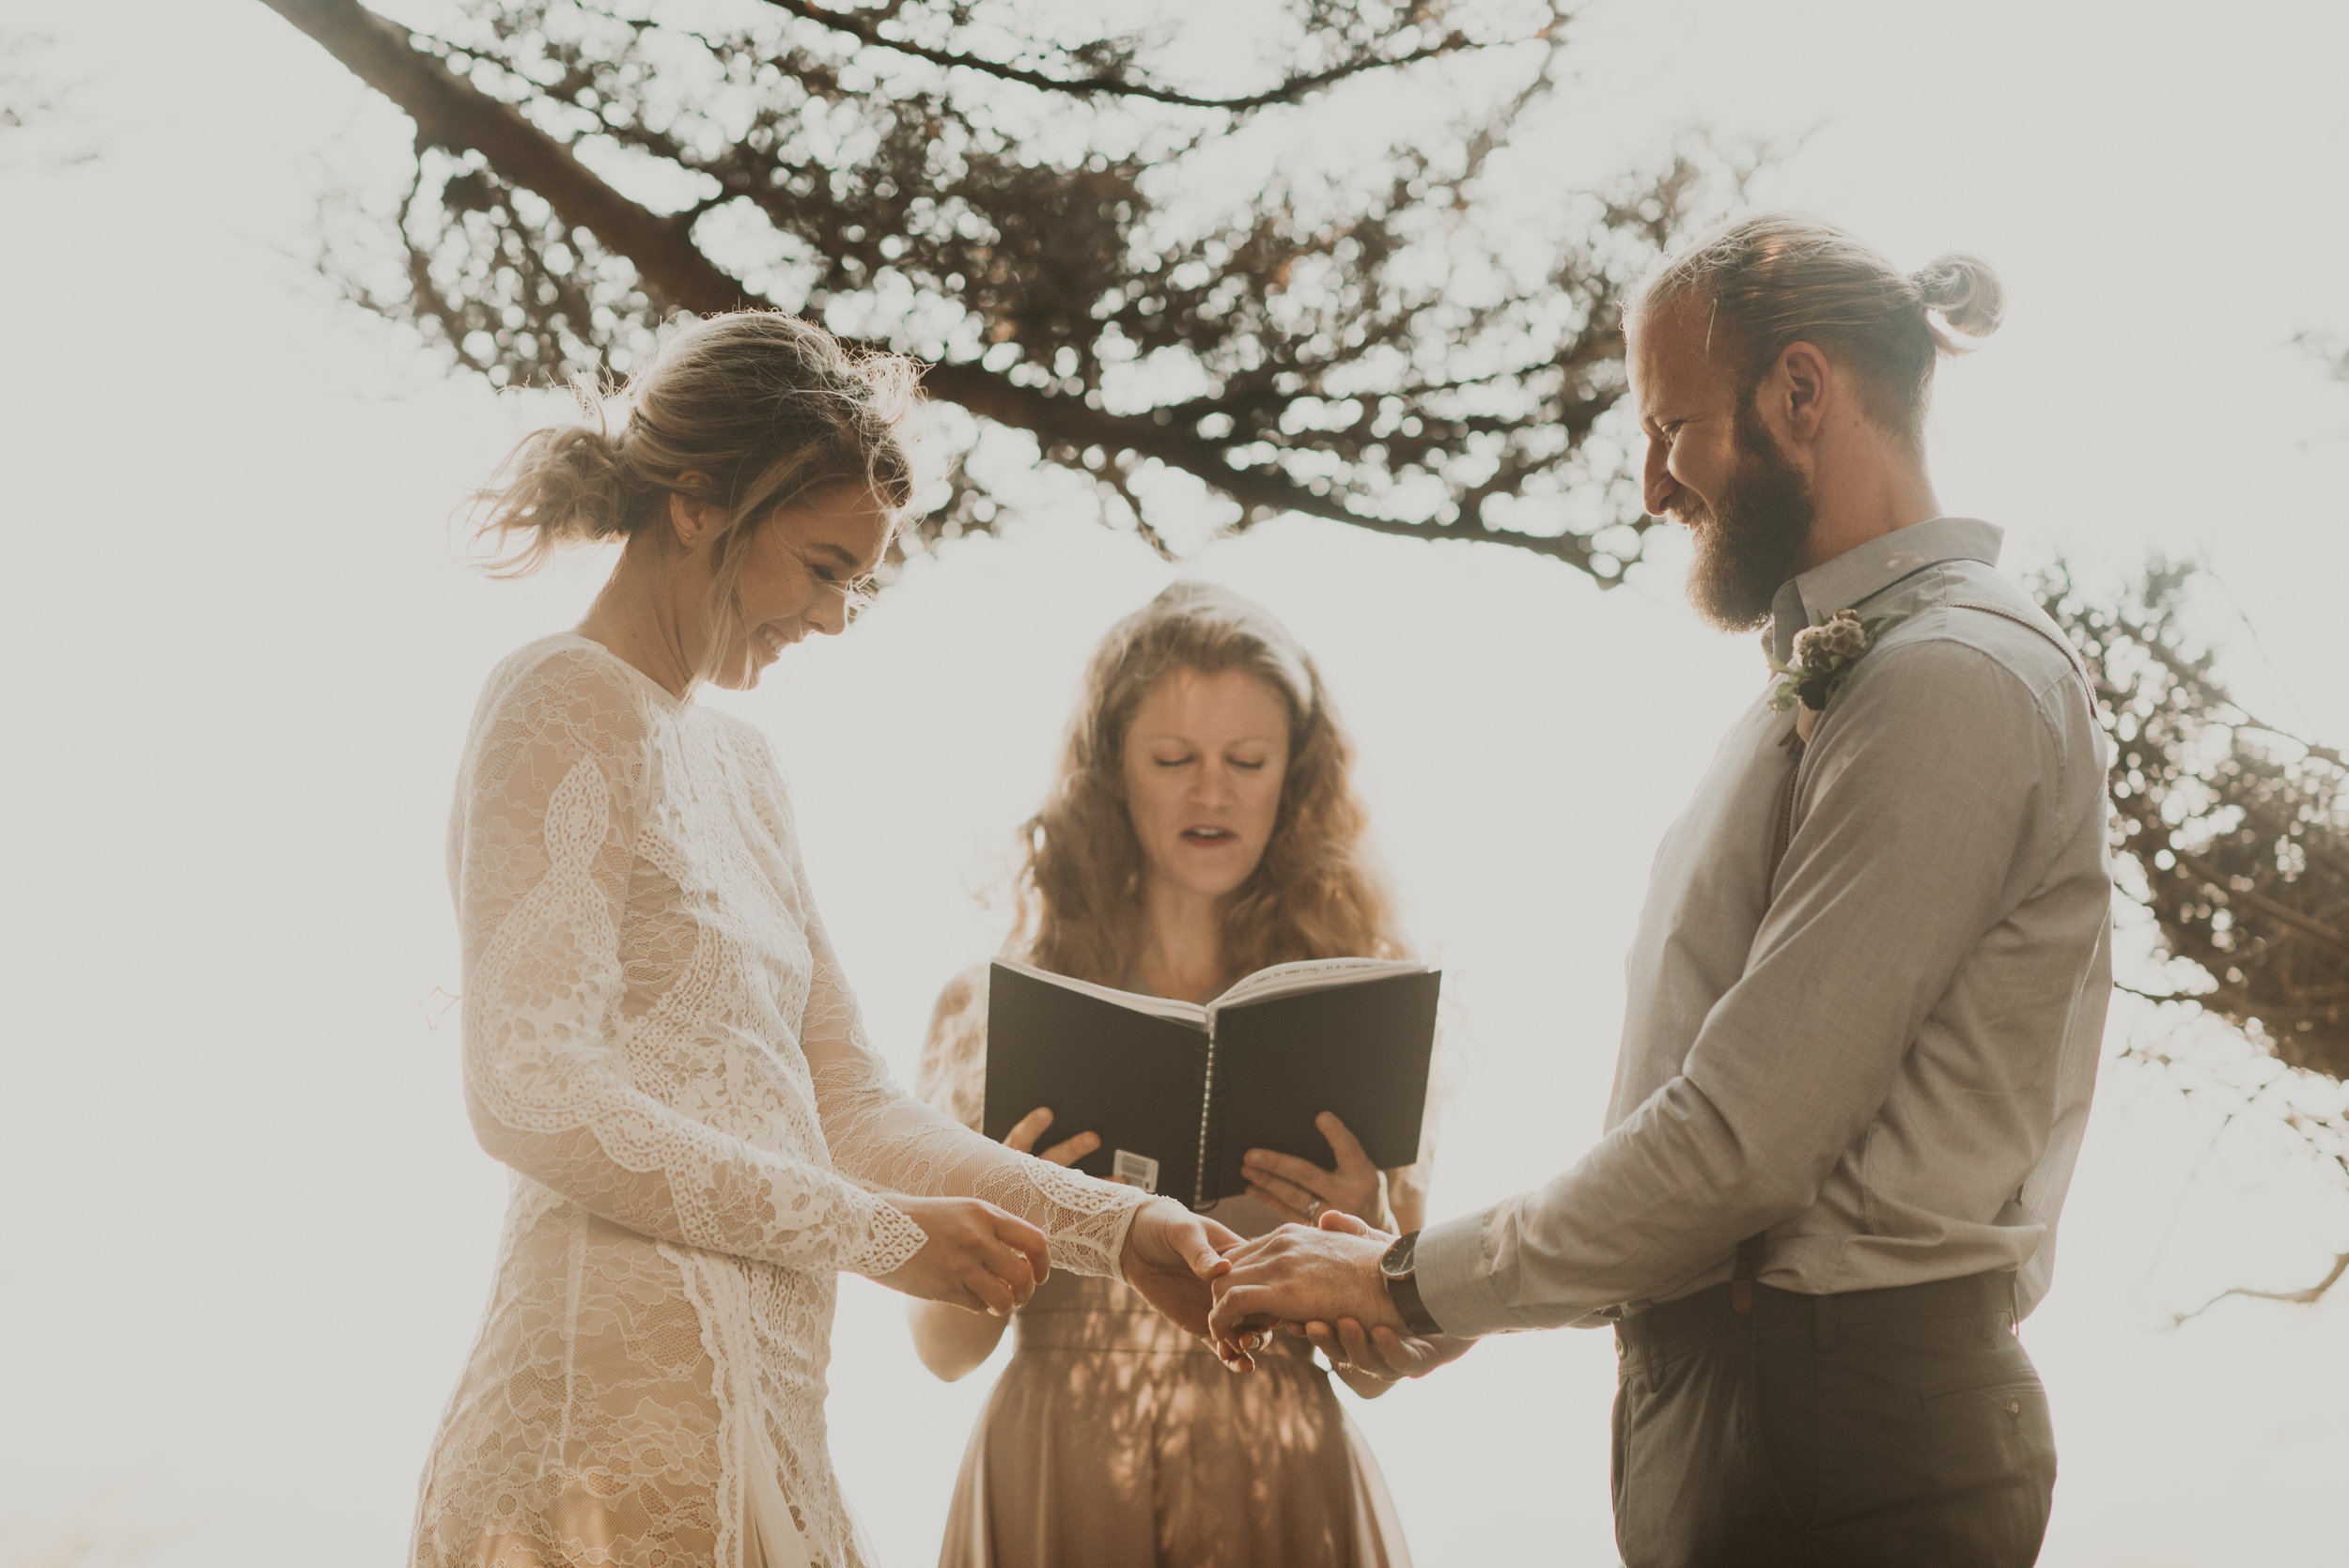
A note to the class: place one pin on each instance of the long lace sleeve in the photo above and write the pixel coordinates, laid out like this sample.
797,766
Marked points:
886,1137
558,773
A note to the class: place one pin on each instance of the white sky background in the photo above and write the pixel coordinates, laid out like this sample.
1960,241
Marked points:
247,1230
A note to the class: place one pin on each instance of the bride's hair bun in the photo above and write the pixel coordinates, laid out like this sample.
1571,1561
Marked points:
750,410
560,486
1964,290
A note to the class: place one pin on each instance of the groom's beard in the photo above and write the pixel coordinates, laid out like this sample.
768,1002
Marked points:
1751,543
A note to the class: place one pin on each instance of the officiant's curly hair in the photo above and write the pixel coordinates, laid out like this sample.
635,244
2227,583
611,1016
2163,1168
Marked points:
1316,894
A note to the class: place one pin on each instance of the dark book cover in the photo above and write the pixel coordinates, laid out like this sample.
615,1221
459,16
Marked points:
1360,1050
1138,1072
1137,1079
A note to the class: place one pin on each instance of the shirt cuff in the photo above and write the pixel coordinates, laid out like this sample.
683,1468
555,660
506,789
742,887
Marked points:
1455,1283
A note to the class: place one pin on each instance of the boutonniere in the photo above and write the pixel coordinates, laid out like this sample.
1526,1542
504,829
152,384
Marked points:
1825,652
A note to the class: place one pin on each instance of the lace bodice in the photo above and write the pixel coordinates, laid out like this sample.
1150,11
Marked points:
659,1040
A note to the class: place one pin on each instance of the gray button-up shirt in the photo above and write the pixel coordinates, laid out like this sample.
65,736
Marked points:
1881,1055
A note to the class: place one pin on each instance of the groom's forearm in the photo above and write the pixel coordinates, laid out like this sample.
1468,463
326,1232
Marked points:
1662,1198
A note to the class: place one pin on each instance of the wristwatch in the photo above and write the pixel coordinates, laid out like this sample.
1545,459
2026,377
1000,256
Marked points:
1395,1267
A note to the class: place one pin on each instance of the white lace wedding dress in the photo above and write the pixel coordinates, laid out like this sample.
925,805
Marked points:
658,1041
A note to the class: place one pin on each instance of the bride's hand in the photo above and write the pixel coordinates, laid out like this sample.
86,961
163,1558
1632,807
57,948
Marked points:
1300,1190
977,1256
1170,1253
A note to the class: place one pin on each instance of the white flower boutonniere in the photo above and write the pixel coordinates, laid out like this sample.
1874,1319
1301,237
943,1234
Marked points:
1825,653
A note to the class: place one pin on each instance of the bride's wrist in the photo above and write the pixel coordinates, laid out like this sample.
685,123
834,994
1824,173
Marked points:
1131,1237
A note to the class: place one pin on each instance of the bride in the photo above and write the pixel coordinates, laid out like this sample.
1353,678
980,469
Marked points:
658,1039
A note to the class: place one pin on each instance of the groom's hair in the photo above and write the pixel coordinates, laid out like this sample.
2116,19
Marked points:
1763,282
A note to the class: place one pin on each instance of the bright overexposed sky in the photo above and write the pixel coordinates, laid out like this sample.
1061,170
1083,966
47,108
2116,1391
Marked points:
247,1233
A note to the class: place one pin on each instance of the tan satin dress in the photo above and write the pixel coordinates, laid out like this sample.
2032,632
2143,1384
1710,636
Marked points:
1113,1439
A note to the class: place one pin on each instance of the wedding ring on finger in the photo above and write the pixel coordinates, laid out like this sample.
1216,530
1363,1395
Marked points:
1313,1210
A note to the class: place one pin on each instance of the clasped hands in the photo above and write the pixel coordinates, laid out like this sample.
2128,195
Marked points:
1316,1278
1320,1284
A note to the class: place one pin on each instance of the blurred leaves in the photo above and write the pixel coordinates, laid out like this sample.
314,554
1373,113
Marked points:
2234,833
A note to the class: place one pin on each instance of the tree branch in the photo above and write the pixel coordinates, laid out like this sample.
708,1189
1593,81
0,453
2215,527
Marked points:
1109,84
2307,1298
2198,681
2222,889
451,112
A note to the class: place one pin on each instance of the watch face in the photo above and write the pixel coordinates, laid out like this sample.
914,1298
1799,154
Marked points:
1396,1260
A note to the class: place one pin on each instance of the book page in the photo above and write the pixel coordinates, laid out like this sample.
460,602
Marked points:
1157,1007
1310,974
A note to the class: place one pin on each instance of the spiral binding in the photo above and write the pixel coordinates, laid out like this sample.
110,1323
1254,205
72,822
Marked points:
1206,1128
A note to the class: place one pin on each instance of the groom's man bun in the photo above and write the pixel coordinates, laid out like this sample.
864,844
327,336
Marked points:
1763,282
1964,292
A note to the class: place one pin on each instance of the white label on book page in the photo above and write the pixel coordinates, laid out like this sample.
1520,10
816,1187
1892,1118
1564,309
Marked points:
1135,1170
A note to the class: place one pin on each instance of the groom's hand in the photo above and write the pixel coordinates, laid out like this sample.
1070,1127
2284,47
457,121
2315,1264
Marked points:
1170,1253
1381,1353
1295,1276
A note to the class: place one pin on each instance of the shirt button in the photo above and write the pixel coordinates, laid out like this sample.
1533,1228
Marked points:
2014,1406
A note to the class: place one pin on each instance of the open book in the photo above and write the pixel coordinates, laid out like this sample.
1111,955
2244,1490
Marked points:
1179,1089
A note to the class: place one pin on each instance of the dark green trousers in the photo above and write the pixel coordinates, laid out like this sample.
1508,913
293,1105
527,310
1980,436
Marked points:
1881,1429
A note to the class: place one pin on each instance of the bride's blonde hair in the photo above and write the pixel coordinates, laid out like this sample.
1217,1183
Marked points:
763,406
1316,893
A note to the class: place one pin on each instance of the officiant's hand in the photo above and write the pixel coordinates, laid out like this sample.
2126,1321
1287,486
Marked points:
977,1255
1381,1353
1296,1275
1170,1254
1025,1131
1300,1191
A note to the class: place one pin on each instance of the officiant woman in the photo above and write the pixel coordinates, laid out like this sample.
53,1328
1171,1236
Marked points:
1202,825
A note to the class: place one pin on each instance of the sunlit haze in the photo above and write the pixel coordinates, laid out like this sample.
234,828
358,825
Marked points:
249,1234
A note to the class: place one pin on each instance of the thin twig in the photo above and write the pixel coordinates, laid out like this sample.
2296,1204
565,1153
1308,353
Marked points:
2307,1298
1111,84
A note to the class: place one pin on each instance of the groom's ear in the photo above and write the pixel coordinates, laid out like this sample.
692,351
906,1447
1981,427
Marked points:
1797,394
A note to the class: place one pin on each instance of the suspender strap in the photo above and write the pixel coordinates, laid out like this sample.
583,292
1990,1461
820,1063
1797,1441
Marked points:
1743,1273
2008,612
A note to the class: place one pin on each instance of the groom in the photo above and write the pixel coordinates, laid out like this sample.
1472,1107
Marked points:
1866,991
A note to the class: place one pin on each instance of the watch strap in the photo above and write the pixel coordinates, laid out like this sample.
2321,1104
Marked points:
1395,1268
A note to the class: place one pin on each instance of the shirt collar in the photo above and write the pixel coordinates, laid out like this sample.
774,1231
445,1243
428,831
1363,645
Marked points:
1866,570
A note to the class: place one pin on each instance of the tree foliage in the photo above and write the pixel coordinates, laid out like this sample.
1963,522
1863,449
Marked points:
2233,835
2237,833
1095,239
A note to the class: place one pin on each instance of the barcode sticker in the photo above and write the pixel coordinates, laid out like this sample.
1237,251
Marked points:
1135,1170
